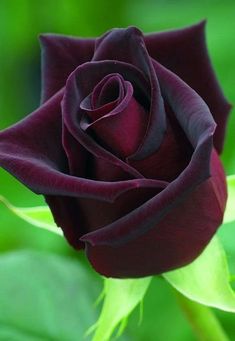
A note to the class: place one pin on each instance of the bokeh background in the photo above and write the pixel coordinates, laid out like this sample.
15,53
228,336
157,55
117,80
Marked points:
21,21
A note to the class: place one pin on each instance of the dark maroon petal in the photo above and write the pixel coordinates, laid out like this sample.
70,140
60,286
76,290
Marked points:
79,86
184,52
122,129
77,216
65,213
84,164
95,114
110,89
60,56
127,45
32,151
104,213
175,241
95,106
171,158
196,121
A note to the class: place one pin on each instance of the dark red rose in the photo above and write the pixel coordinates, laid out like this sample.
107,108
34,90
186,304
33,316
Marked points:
125,147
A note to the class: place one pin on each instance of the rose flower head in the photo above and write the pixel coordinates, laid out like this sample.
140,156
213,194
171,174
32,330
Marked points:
125,146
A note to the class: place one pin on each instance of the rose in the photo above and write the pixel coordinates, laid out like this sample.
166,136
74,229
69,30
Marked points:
124,150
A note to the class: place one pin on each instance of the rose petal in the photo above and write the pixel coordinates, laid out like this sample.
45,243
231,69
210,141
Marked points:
79,86
60,56
105,213
122,129
74,216
84,164
32,151
65,213
89,104
127,45
184,52
175,241
196,121
171,158
108,91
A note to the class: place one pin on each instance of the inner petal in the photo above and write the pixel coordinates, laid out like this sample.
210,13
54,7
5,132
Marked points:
108,90
107,94
122,129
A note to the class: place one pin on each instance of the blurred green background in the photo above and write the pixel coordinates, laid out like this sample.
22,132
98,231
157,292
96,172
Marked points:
20,23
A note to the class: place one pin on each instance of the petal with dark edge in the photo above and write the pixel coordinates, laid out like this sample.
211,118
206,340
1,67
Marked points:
173,242
32,151
127,45
172,157
195,119
60,56
86,165
78,216
184,52
122,129
79,85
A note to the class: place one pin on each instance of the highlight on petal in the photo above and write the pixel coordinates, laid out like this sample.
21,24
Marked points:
60,56
184,51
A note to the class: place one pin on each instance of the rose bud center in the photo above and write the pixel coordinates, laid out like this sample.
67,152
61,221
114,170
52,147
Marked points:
114,117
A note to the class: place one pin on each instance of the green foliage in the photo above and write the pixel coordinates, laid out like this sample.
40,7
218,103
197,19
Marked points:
230,211
206,280
39,216
53,297
120,298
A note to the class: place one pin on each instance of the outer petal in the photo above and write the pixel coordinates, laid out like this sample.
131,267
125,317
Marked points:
184,52
65,211
60,56
179,237
77,216
32,151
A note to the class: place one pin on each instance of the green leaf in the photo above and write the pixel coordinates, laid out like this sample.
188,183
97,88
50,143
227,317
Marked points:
39,216
230,211
45,297
121,296
163,319
226,236
206,280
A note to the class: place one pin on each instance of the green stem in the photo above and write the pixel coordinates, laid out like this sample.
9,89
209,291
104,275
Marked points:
202,319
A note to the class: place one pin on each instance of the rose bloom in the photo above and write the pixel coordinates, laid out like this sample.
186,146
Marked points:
125,147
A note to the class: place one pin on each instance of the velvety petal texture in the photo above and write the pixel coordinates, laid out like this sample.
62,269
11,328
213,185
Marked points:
184,52
125,147
60,56
174,241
